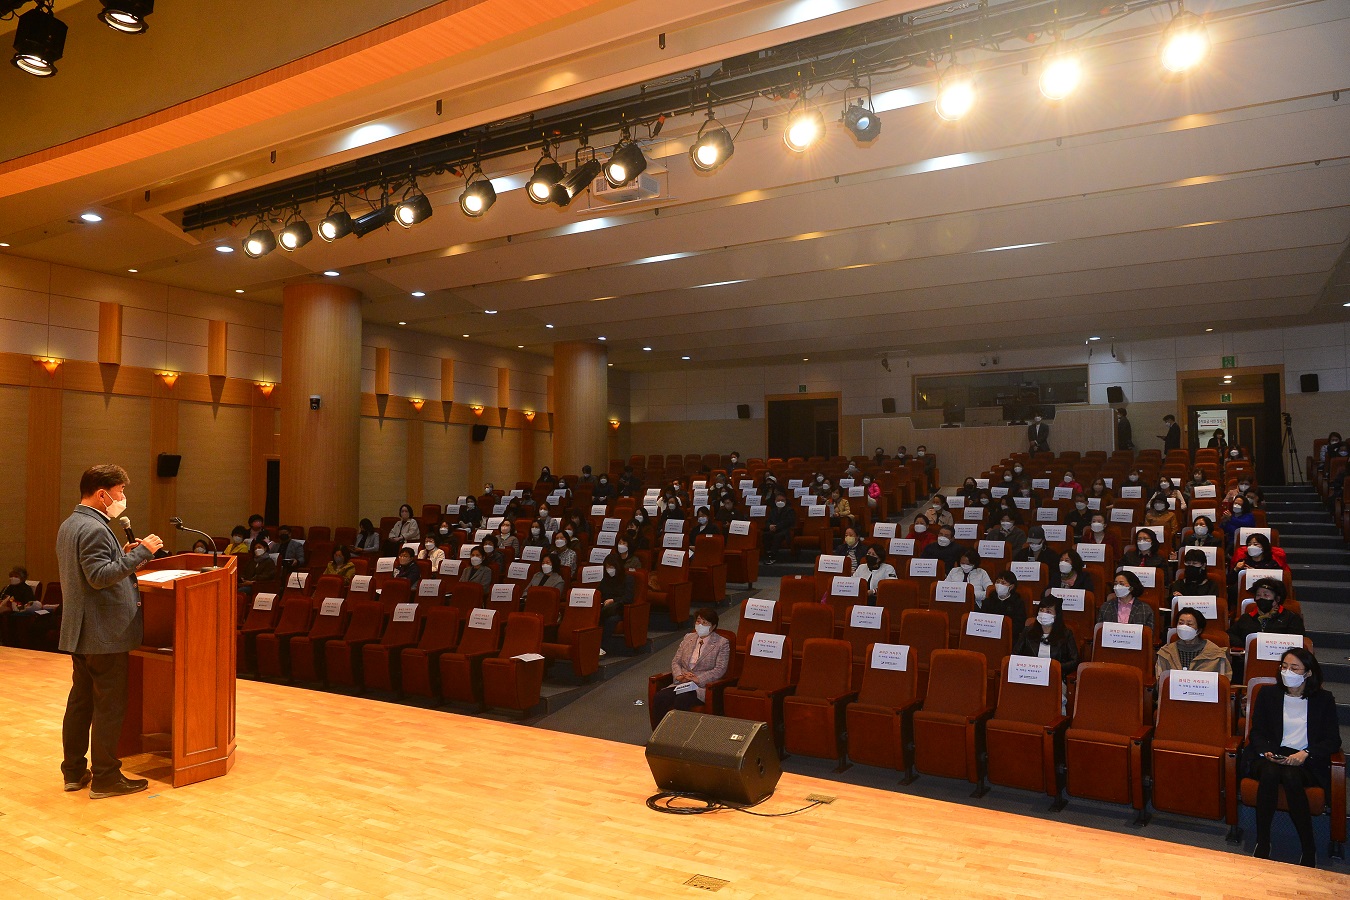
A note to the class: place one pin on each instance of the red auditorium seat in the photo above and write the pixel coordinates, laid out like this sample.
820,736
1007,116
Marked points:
865,625
1195,754
674,591
742,553
794,589
813,715
708,570
712,703
880,724
262,616
895,595
342,657
465,596
544,602
809,620
766,678
949,730
461,668
510,683
990,636
1025,738
953,599
380,660
923,631
329,625
273,647
579,633
419,667
1106,745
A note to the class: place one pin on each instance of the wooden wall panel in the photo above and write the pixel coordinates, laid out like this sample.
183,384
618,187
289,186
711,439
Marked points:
164,491
445,453
214,491
106,429
45,508
580,390
416,461
110,333
501,458
14,498
384,468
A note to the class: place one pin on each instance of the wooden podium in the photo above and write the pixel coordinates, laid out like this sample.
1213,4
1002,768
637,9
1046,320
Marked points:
180,684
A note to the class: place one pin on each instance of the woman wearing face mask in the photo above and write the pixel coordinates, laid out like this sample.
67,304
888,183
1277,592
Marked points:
537,537
491,555
581,526
1217,442
1070,482
1002,599
779,524
704,526
968,569
1238,516
701,659
1266,614
477,570
507,540
873,571
259,567
1258,553
470,515
1159,513
1078,517
1126,605
341,565
1190,652
839,509
1036,549
672,510
871,490
431,552
851,545
970,490
1069,572
549,575
1244,488
1005,529
630,561
1201,534
405,530
636,538
563,492
1026,493
1294,733
922,534
1198,479
565,551
1193,577
238,544
1049,638
936,513
546,478
1145,552
603,491
1100,492
616,591
367,538
1098,533
1169,491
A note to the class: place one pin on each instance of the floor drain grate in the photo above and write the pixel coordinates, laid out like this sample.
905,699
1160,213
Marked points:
707,882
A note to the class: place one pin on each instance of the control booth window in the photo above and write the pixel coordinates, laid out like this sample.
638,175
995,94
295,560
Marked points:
1015,393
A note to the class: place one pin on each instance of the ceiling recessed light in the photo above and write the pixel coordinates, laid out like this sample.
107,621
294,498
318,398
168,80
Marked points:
224,248
600,338
419,293
3,244
463,335
520,346
331,273
611,365
133,271
403,323
549,325
489,312
91,218
238,290
1207,330
1345,304
806,359
647,348
1095,338
684,357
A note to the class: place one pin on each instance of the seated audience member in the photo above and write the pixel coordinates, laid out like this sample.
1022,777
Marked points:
1192,578
879,456
432,553
443,532
726,511
199,546
256,530
549,574
970,490
851,545
258,567
1004,506
405,567
629,484
1293,735
945,547
491,555
1036,549
17,604
470,516
1234,454
1126,605
238,545
1239,516
1201,534
705,526
1104,496
780,522
1070,482
603,491
477,570
1198,479
702,658
1169,491
937,513
506,538
1244,488
1158,513
1028,494
341,564
902,455
984,499
768,484
838,508
580,525
921,534
565,551
873,491
630,561
636,537
587,477
537,537
1006,530
546,477
1257,553
563,493
1217,442
1069,572
1049,638
968,569
1080,516
1003,600
1135,479
616,589
1190,652
1145,552
367,538
672,510
290,554
405,530
873,571
1266,615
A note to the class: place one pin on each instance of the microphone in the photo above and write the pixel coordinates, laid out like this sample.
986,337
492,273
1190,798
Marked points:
210,541
126,526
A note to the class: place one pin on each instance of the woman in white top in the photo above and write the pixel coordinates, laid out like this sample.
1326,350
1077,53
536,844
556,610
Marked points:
430,551
405,530
873,571
968,569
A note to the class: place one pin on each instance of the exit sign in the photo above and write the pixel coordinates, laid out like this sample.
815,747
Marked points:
801,389
1225,398
1229,362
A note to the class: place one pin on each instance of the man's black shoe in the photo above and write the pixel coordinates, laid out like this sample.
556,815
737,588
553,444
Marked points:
119,788
83,780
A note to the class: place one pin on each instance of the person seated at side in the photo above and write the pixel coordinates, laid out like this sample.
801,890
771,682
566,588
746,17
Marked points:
506,539
290,554
1201,534
549,574
705,526
258,567
1266,615
873,571
477,570
566,552
1257,553
1159,514
367,538
968,569
405,530
1007,530
405,567
1003,600
630,561
1080,516
238,544
1126,605
1070,572
603,491
341,565
702,658
1191,652
432,553
470,516
491,555
945,547
616,590
1145,553
1193,578
1096,533
1049,638
851,546
1036,550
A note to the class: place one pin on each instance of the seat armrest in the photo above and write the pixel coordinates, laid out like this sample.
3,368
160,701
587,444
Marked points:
843,698
657,682
479,656
1058,725
983,715
1143,735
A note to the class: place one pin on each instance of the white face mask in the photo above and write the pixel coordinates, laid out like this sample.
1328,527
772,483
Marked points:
944,541
1017,469
430,545
1007,526
1255,551
967,568
260,552
1007,477
702,629
1237,509
922,452
1065,567
1144,546
1068,478
475,560
560,544
1045,618
611,571
1134,478
116,507
1003,590
622,548
1122,591
1035,546
920,528
1160,506
1292,679
1098,527
14,581
1201,530
780,503
547,568
703,520
1186,633
1080,505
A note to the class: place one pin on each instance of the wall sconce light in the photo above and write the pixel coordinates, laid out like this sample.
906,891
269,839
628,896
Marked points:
614,423
266,388
417,403
477,410
529,415
168,378
50,363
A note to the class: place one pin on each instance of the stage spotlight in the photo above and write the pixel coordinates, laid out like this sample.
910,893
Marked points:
295,235
805,127
375,219
1061,74
626,163
39,42
955,92
1185,43
862,122
413,208
260,243
127,16
337,224
546,174
712,147
577,180
479,194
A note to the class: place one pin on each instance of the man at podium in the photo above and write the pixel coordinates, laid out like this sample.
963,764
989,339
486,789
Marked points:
101,624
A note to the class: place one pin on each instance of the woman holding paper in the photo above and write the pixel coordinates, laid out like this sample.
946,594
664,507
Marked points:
1294,733
702,658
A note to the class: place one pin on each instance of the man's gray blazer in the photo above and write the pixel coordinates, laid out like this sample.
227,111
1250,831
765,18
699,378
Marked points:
100,603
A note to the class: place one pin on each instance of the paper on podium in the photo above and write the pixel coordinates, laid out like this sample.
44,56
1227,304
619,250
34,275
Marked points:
165,575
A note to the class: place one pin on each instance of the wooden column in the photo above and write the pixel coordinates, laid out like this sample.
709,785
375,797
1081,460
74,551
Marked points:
416,464
163,491
217,347
43,479
110,333
381,371
580,392
320,449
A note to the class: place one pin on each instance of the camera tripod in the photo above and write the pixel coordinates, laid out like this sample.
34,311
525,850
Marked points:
1291,447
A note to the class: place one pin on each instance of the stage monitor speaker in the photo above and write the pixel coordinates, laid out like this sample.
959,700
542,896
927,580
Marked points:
479,433
1308,383
166,465
888,404
728,760
1115,394
743,410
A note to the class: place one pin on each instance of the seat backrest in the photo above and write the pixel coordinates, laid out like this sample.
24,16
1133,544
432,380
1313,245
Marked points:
810,620
524,634
1262,645
258,619
765,673
794,589
331,626
394,592
329,586
925,631
957,682
543,602
1141,659
826,668
994,649
1110,697
866,625
465,596
752,619
576,618
481,633
407,631
896,595
442,629
1195,721
366,622
887,687
709,550
1034,704
296,610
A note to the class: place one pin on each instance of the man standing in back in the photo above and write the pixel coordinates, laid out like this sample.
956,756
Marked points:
100,625
1171,440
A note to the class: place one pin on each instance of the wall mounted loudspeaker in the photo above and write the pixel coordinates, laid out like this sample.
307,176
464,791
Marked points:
1308,383
166,465
1115,394
743,410
888,404
479,433
730,760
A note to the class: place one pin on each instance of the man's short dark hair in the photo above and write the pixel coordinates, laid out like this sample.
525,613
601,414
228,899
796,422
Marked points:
102,478
707,614
254,518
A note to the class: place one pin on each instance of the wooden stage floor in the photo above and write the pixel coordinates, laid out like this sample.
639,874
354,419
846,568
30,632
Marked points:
341,797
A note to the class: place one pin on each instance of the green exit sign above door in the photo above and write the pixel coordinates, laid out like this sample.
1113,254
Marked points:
801,389
1230,362
1225,398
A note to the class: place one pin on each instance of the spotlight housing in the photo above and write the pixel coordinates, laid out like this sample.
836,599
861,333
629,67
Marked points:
712,147
260,243
862,122
1185,43
479,194
577,180
295,235
39,42
1061,73
546,174
127,16
412,209
626,163
805,127
372,221
337,224
955,93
